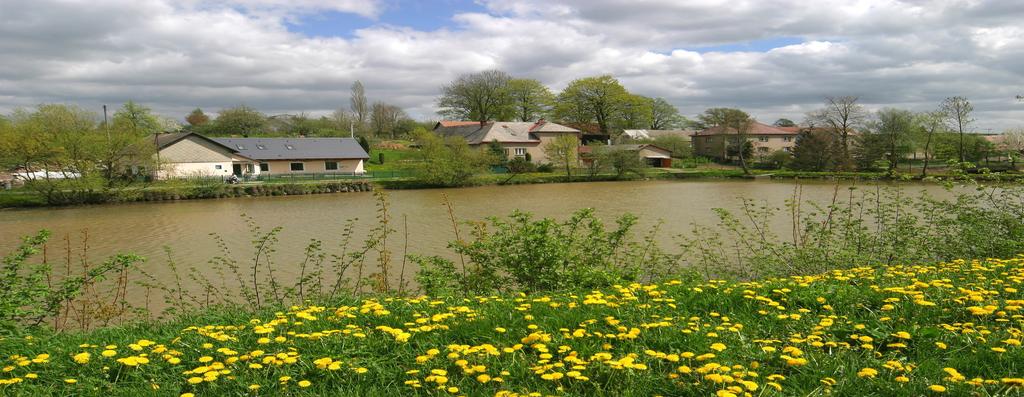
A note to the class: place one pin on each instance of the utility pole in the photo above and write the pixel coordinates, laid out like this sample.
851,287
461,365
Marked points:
352,129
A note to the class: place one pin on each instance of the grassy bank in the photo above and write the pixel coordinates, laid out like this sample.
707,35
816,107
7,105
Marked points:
186,191
887,330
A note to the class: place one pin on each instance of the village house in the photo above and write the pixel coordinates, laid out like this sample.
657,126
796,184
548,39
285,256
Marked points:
765,139
189,154
519,139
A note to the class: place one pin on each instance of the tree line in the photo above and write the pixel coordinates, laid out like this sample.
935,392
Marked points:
362,118
600,101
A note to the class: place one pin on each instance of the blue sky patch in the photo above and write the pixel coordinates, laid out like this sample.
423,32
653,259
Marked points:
419,15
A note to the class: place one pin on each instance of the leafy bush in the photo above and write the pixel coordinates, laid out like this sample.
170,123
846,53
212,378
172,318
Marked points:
521,253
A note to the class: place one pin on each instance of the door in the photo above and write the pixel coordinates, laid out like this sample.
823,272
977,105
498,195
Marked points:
236,169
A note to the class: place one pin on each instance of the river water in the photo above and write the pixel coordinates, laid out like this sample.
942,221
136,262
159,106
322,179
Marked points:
185,226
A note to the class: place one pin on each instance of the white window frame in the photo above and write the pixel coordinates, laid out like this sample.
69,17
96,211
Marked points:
762,139
520,151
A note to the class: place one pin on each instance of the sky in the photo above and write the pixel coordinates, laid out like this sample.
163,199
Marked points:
772,58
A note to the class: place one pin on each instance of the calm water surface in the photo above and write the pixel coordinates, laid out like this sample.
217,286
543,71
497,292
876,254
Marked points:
185,226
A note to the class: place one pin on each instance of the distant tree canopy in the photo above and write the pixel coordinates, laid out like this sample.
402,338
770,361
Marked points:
197,118
529,99
784,123
479,96
241,120
601,100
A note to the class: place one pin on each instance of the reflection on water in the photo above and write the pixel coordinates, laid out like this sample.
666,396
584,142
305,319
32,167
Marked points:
185,227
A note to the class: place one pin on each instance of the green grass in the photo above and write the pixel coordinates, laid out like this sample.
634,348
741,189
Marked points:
394,160
811,335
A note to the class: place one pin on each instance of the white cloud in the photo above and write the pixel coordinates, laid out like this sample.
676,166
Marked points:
175,56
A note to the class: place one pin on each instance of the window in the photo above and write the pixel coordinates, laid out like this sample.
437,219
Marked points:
218,167
289,147
240,147
298,166
331,165
762,138
249,168
264,167
520,151
261,147
506,152
787,139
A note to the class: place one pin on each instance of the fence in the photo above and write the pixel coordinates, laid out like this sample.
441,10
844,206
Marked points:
303,176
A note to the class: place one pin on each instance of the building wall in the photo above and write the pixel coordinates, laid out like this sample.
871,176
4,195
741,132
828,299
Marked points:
195,157
714,145
313,166
651,152
535,149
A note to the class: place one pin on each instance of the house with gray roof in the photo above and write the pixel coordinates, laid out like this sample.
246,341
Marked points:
519,139
188,154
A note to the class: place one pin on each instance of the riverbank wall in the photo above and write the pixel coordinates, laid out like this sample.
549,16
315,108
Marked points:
191,192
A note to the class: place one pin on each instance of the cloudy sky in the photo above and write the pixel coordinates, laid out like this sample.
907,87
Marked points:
773,58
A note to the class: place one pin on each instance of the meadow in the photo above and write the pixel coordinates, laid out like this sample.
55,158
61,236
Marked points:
903,329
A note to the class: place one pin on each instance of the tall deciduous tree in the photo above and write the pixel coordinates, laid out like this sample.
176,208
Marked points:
735,125
136,118
478,97
664,115
929,123
530,99
784,123
958,116
895,128
385,119
197,118
592,100
635,113
843,115
358,104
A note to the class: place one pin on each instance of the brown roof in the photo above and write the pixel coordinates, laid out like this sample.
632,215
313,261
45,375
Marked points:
453,123
756,128
503,131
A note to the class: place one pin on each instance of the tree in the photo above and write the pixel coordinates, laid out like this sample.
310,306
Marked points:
497,152
958,116
363,143
679,146
813,150
530,100
621,160
241,120
1013,145
592,100
358,104
664,116
735,126
635,113
928,124
137,119
784,123
842,115
479,96
563,151
895,127
197,118
385,119
447,162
